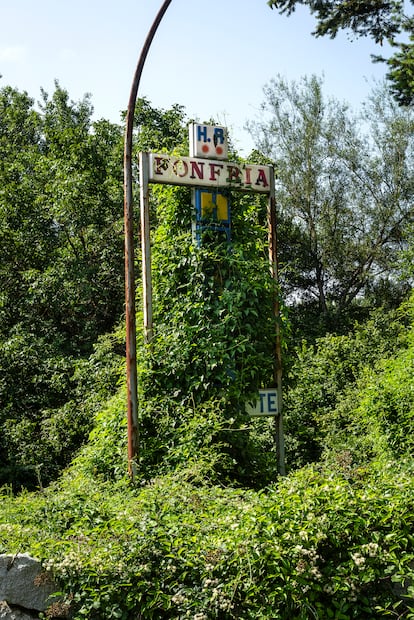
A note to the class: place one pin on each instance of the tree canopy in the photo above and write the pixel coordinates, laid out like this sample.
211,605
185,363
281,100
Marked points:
344,192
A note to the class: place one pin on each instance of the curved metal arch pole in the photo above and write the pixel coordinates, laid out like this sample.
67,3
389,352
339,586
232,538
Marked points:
131,337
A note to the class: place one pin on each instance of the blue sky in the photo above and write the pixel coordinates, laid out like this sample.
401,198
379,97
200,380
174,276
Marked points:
211,56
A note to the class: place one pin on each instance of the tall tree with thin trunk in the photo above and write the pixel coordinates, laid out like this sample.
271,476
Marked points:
344,191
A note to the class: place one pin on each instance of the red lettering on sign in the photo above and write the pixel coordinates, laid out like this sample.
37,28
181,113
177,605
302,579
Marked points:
161,164
197,167
234,174
180,164
248,180
261,178
215,170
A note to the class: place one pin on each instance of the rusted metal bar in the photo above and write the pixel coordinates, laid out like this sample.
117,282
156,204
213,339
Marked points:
274,269
131,338
145,246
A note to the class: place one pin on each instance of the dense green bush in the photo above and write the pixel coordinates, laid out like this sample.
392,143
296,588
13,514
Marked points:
172,435
375,417
317,544
37,446
213,340
214,324
321,377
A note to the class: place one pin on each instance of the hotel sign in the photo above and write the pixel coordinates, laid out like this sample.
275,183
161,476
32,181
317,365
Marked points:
208,141
164,168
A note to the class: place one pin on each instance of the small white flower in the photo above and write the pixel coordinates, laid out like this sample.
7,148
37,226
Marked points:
358,559
315,572
371,549
178,599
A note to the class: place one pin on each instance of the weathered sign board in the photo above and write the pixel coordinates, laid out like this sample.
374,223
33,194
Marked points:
164,168
209,141
265,405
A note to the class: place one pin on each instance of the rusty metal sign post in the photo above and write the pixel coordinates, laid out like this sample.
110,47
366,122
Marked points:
274,269
131,338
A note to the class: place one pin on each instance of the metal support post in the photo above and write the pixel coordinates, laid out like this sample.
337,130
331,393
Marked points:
131,361
273,260
146,247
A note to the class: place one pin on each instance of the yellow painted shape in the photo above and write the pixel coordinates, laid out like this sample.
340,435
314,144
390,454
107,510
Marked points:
208,206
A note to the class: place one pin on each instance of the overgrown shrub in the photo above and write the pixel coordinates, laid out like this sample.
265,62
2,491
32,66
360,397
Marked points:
37,444
375,417
322,377
214,323
318,544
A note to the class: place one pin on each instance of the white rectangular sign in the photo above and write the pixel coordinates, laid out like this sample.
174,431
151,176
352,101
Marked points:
265,405
177,170
208,141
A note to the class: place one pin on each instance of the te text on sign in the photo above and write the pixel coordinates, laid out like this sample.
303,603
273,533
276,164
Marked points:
265,405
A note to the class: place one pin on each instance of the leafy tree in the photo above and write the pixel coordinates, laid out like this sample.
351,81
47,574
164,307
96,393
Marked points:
344,197
158,129
82,289
382,20
27,237
61,274
61,227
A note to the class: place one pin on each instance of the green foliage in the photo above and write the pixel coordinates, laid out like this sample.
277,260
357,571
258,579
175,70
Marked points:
400,73
37,445
375,418
344,194
214,339
104,456
350,397
380,20
61,276
172,436
321,375
60,227
226,449
213,307
160,130
316,544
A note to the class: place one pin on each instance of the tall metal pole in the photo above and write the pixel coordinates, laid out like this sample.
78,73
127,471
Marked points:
131,336
145,246
274,268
